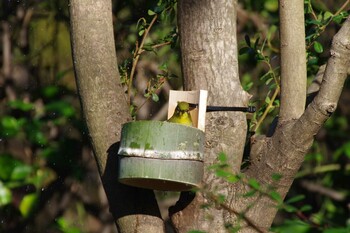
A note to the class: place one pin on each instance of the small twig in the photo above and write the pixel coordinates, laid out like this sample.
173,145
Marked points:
269,106
235,212
138,51
161,44
342,7
317,188
322,169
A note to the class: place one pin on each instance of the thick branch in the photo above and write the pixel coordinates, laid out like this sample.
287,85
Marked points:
209,61
293,59
332,84
284,153
105,109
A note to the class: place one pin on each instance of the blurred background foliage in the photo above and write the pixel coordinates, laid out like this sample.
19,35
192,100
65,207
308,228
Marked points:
48,178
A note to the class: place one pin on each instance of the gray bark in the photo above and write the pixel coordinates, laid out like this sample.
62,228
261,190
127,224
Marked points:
210,61
293,59
105,109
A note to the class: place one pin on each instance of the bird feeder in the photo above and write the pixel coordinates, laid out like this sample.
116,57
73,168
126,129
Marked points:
161,155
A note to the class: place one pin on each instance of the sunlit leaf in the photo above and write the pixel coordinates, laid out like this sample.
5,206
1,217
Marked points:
318,47
5,195
28,204
155,97
271,5
21,172
150,12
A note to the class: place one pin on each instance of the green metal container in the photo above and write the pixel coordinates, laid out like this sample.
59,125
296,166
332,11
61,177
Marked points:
161,155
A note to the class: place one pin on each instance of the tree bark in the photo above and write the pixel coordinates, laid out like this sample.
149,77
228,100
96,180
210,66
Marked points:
105,109
280,154
210,61
293,59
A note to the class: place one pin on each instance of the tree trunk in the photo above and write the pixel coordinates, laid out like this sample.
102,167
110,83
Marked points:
210,61
105,109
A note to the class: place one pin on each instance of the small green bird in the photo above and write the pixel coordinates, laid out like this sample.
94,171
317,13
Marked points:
182,114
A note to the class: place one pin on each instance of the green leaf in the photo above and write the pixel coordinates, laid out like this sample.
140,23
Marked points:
346,147
20,172
276,176
222,157
336,230
61,107
275,196
318,47
256,43
28,204
295,199
271,5
305,208
141,32
5,195
327,15
222,173
10,126
248,86
50,91
155,97
244,50
292,226
247,40
221,198
7,164
196,231
150,12
232,178
66,226
250,193
21,105
290,209
254,184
